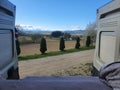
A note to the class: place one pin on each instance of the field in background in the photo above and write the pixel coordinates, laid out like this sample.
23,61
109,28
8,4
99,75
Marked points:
52,45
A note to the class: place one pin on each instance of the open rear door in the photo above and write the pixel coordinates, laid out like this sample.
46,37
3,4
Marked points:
107,46
6,45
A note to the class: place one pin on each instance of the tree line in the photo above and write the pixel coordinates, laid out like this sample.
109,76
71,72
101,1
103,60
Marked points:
43,44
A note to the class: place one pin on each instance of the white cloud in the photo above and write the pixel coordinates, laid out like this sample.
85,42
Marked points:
29,27
78,28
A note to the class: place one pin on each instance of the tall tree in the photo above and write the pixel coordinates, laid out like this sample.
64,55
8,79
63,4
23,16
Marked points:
43,45
77,45
62,44
17,42
91,30
88,41
18,47
56,34
35,37
67,36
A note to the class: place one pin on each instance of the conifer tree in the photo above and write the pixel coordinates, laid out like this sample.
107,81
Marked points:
43,45
88,41
77,45
18,47
62,44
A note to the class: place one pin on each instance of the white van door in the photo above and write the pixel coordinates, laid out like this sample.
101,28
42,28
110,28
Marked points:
107,46
6,44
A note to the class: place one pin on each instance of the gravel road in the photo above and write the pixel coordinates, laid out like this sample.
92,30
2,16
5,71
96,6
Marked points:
49,65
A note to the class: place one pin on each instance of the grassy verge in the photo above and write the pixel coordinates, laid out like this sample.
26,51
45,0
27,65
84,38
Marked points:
28,57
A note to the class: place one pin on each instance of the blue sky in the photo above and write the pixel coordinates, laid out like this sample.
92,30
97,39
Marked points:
56,14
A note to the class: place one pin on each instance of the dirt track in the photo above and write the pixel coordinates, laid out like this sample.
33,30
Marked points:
50,65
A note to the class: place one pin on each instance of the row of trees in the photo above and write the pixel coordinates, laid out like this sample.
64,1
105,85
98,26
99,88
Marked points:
43,45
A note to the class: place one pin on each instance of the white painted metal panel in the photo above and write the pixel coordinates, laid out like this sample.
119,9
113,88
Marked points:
107,46
115,4
5,48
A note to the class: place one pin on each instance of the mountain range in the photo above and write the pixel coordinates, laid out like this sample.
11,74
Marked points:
50,31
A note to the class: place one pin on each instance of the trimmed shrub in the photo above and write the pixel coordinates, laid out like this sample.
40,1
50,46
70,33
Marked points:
62,44
88,41
77,45
18,47
43,46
